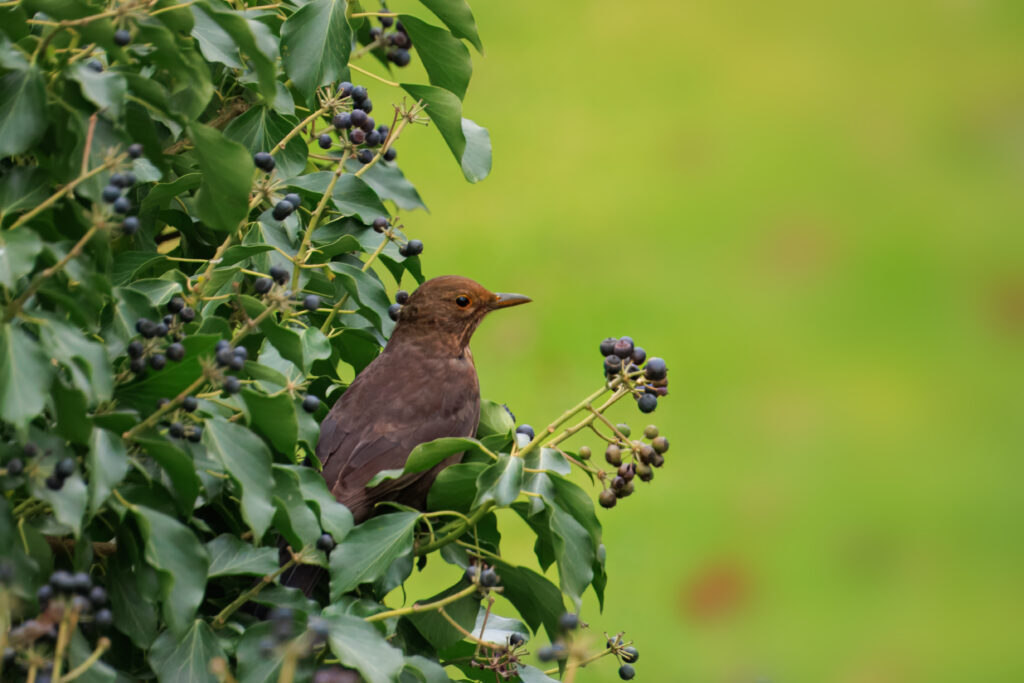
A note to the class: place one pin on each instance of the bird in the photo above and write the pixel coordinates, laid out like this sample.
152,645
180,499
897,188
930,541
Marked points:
422,386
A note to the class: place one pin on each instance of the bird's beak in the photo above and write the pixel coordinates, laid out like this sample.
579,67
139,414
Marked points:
504,300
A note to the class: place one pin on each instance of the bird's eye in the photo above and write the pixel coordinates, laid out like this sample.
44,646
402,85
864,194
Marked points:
462,301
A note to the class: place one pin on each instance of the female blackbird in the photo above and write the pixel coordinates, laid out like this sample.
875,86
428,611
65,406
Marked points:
423,386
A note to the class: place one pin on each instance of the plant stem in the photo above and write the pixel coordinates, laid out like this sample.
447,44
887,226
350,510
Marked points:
373,75
584,662
15,306
314,220
464,632
225,613
49,201
622,391
455,529
563,418
166,408
102,645
415,607
295,131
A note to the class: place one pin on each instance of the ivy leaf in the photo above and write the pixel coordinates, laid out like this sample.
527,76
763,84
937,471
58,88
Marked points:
21,188
238,30
369,550
497,629
315,45
25,375
273,418
458,17
574,553
22,110
231,556
286,340
223,199
368,292
444,57
246,459
425,456
351,195
143,394
435,628
529,674
494,419
360,646
174,551
18,252
179,468
107,462
293,518
186,660
425,670
538,601
455,487
500,482
261,128
470,143
85,360
335,518
105,89
388,181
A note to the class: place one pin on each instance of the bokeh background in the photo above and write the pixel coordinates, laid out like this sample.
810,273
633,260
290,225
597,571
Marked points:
814,212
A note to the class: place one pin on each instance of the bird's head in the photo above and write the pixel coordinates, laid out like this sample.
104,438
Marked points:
450,307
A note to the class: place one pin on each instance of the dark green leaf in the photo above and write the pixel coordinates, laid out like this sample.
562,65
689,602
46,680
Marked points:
470,143
293,518
315,45
458,17
105,89
529,674
260,129
234,25
388,181
186,660
25,375
494,419
245,457
286,340
78,653
351,195
443,55
107,463
370,549
367,291
426,455
173,550
18,251
230,556
223,199
85,360
179,468
335,518
273,418
500,482
423,670
435,628
574,553
22,110
455,487
21,188
360,646
172,380
537,600
497,629
134,614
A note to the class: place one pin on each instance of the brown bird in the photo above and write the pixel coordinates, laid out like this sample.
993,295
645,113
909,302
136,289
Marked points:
422,387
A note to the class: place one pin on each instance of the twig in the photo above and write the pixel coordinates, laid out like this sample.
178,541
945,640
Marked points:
426,607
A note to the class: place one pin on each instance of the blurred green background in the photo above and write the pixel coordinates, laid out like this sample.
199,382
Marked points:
814,212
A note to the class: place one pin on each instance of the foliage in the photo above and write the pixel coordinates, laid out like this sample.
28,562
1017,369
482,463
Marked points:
174,315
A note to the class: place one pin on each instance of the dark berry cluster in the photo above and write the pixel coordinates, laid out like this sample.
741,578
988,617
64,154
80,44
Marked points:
622,358
154,349
397,41
16,465
117,184
287,206
626,654
352,128
482,575
401,298
633,459
278,275
230,358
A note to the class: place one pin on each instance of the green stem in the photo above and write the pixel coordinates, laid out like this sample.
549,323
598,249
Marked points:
166,408
49,201
295,131
314,220
225,613
565,417
15,306
455,529
416,608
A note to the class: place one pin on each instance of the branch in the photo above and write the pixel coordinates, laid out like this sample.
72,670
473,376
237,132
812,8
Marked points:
416,608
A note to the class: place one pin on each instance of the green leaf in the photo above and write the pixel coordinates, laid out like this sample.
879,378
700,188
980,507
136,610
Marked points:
424,670
143,394
360,646
470,143
260,129
538,601
173,550
85,360
231,556
455,487
529,674
426,455
78,653
574,553
107,463
106,89
286,340
22,110
179,468
435,628
134,614
18,252
458,17
68,504
548,459
369,550
25,375
315,45
246,459
351,195
315,346
223,199
294,519
186,660
497,629
444,57
21,188
368,292
273,418
500,482
388,181
335,518
494,419
235,26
